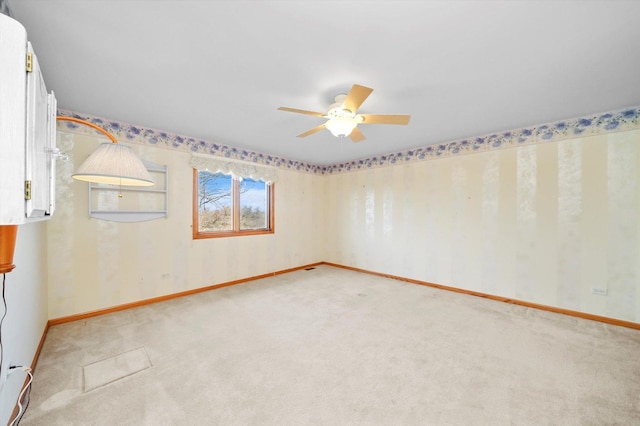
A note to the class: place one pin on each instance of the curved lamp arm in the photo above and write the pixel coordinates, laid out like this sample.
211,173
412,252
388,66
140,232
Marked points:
87,123
111,163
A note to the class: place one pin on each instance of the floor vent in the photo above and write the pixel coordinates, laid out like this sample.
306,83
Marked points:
309,269
109,370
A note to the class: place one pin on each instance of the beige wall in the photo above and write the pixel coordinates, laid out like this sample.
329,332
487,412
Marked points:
25,294
542,223
96,264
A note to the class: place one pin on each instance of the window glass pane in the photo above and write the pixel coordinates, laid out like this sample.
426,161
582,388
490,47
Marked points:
215,203
253,204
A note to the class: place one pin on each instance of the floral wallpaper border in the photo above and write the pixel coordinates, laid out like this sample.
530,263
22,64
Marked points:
616,121
145,136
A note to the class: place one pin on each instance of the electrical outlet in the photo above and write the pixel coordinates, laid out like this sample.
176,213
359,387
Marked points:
599,291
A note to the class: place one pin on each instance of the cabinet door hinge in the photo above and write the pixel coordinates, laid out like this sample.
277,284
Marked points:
29,62
27,189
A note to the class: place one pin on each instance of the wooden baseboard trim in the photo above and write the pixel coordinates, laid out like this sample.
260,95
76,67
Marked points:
122,307
569,312
34,363
36,356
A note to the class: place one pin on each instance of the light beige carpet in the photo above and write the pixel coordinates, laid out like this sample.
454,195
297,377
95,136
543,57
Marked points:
336,347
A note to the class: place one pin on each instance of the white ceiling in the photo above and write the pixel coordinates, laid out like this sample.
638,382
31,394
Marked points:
218,70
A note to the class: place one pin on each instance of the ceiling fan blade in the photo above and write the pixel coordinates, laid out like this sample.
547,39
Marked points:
356,97
384,119
312,131
302,111
356,135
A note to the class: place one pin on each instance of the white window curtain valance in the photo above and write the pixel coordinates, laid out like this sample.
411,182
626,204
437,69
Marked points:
235,168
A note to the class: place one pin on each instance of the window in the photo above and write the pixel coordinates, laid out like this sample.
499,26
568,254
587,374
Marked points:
225,206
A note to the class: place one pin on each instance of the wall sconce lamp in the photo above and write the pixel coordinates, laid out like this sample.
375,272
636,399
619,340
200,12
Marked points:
111,163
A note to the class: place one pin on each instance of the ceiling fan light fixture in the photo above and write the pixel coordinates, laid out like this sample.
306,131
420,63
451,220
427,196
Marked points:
341,126
343,117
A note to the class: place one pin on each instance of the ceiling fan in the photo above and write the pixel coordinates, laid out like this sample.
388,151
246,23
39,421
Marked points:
343,119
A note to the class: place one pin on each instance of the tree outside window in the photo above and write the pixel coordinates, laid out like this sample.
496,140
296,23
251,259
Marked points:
227,206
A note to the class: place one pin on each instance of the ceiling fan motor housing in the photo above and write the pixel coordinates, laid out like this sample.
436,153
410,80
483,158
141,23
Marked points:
338,110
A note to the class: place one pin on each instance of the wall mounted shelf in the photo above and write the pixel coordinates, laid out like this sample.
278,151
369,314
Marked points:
132,203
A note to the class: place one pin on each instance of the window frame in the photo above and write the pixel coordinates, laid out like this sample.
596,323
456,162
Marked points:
235,197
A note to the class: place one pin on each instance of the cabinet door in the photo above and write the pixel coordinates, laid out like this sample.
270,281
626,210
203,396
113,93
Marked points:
38,155
13,48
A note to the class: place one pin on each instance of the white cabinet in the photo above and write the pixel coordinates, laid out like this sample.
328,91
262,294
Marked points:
27,131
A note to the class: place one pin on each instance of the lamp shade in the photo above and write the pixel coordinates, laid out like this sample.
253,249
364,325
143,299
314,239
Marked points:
114,164
341,126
